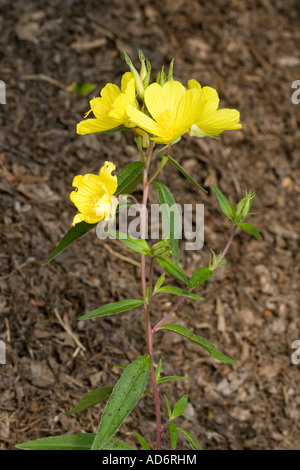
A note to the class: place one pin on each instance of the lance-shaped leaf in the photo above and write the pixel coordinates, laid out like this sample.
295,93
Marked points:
142,441
172,268
200,341
71,236
173,435
185,173
128,178
171,218
250,229
72,442
225,205
168,406
170,378
191,440
179,408
177,291
136,244
125,395
199,276
112,308
92,398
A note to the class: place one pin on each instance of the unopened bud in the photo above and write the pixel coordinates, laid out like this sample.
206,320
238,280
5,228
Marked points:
162,78
244,206
138,81
143,71
161,249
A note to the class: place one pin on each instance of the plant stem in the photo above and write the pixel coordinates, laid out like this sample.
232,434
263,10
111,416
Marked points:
225,249
143,233
149,334
157,409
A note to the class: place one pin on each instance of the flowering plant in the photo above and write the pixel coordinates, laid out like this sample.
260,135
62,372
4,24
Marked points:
159,113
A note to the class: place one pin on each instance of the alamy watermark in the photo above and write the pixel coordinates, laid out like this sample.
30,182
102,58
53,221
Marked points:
296,355
296,95
2,92
2,352
177,222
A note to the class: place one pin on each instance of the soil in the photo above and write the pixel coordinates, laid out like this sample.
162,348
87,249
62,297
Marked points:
248,51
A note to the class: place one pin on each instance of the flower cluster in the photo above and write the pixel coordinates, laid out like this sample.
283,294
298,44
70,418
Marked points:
162,111
167,111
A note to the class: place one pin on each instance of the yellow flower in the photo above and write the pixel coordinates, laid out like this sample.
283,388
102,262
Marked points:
173,108
93,195
211,122
110,108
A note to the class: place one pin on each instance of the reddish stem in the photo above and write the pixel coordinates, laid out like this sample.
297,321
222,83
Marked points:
149,334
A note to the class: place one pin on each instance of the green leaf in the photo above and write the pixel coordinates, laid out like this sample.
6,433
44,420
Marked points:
92,398
171,219
147,294
168,407
158,370
83,89
250,229
225,205
173,435
179,408
115,444
142,441
125,395
215,259
170,378
73,234
199,276
191,440
71,442
136,244
172,268
185,173
128,178
202,342
177,291
159,283
112,308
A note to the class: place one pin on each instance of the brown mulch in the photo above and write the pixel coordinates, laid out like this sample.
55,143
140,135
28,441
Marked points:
248,51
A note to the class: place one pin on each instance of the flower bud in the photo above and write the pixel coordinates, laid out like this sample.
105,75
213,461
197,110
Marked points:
161,249
244,206
138,81
143,71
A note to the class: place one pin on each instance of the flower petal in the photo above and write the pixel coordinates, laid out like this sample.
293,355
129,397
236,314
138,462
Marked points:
194,84
142,120
109,93
216,123
210,95
92,126
107,180
173,92
125,81
89,218
154,100
189,108
88,190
